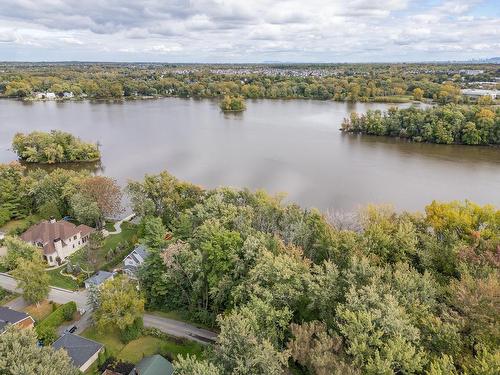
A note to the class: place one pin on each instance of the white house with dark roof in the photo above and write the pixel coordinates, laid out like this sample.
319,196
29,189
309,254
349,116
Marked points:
58,239
134,260
83,352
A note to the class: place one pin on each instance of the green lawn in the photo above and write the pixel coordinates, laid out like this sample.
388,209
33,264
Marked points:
128,235
144,346
56,279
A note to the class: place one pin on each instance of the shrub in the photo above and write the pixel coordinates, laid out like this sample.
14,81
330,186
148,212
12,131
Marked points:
4,216
47,335
133,331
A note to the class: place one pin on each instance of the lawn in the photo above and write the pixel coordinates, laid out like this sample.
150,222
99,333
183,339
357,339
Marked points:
65,282
135,350
127,236
40,311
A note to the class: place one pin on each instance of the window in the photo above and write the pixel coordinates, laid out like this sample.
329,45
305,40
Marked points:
50,259
73,246
74,237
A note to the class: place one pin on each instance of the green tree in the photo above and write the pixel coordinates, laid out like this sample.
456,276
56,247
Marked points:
17,250
21,354
85,210
32,279
190,365
119,305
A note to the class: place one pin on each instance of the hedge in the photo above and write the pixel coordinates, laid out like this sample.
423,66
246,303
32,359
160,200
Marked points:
55,319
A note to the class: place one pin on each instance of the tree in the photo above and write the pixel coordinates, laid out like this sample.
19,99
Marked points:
86,210
22,355
105,192
190,365
232,103
418,93
241,350
119,304
154,232
18,249
32,279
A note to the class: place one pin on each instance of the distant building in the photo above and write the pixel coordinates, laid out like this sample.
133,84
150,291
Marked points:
2,235
68,95
58,239
98,279
17,318
471,72
154,365
477,93
134,260
83,352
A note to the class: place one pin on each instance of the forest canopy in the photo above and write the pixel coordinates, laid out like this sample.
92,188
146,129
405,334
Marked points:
471,125
378,293
54,147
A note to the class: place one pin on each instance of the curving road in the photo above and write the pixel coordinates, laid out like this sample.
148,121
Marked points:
58,295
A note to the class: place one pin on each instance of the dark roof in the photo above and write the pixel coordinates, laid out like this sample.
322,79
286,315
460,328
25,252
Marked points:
9,316
154,365
47,232
99,278
79,348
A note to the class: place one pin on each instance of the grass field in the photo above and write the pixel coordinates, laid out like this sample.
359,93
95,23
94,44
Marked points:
144,346
40,311
56,279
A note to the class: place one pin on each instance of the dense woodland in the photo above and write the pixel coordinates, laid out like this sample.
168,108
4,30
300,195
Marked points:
470,125
378,292
291,289
353,82
54,147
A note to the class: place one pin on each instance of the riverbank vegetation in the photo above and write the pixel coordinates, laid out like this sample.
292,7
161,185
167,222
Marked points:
232,104
58,193
469,125
54,147
342,82
379,292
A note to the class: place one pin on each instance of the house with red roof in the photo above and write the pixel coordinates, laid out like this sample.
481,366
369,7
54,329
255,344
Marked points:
57,239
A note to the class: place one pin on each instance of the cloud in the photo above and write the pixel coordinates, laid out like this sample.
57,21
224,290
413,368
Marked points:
236,30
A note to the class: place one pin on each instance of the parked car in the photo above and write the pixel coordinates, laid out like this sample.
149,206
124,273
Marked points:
70,330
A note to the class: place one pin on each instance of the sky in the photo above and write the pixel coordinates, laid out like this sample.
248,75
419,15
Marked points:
245,31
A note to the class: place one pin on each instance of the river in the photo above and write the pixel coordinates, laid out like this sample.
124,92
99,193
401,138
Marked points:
281,146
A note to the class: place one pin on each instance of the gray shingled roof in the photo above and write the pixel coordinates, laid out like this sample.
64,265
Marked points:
9,316
99,278
79,348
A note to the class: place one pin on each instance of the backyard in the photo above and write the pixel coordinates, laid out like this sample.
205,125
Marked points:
141,347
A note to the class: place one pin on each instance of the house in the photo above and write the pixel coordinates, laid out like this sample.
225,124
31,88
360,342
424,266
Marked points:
58,239
17,318
68,95
50,96
83,352
2,236
98,279
134,260
477,93
153,365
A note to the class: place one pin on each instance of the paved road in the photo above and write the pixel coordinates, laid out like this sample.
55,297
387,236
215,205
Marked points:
169,326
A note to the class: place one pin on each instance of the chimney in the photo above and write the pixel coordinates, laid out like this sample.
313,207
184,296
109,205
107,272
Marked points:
52,220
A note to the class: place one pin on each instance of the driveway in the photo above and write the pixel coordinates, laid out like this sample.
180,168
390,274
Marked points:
172,327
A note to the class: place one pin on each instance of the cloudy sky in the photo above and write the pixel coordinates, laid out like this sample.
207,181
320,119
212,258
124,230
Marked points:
249,30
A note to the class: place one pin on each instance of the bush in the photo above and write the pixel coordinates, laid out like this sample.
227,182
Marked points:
133,331
68,311
4,216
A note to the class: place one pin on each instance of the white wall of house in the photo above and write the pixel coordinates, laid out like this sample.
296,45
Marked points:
65,248
89,363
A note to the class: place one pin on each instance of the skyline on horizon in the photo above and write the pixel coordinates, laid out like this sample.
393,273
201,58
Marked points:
231,31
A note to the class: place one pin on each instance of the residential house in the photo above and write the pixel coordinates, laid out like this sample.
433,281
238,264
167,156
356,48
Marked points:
98,279
83,352
153,365
2,236
134,260
17,318
477,93
58,239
